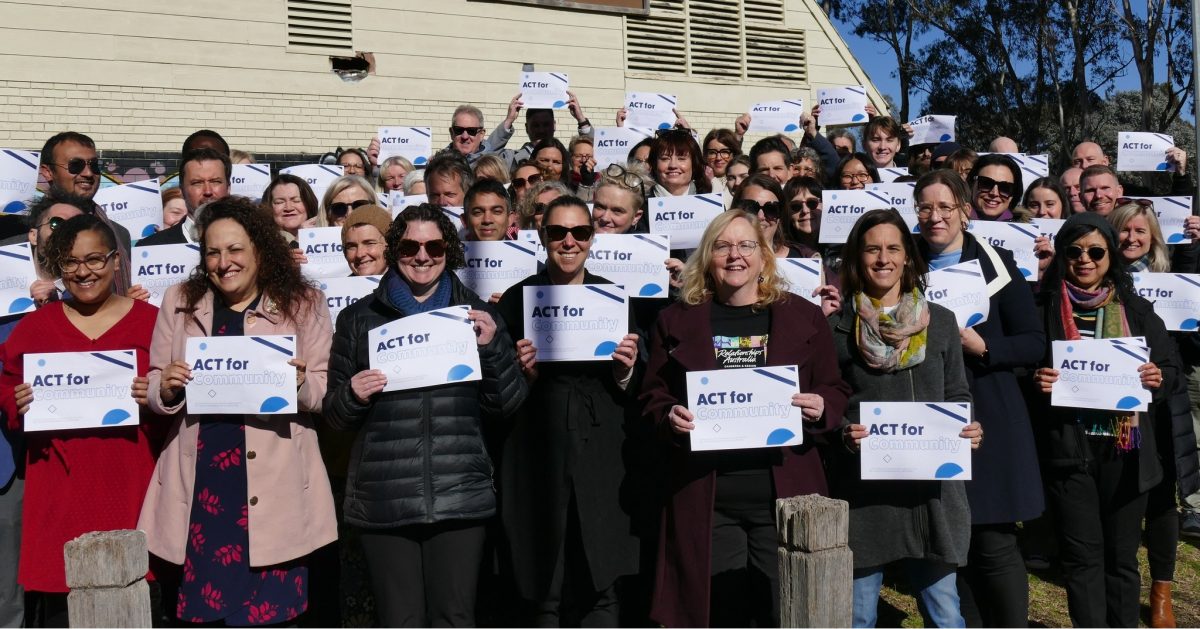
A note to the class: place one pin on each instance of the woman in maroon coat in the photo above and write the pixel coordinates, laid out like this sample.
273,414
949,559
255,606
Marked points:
717,560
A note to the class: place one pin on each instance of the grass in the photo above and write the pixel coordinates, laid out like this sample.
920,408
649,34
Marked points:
1048,599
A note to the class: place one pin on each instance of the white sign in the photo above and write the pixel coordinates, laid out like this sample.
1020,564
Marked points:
81,390
932,130
318,176
1016,237
341,292
1172,213
1138,151
251,180
780,116
1176,298
495,265
576,322
650,111
684,218
160,267
18,179
843,105
241,375
544,90
428,349
889,175
636,261
17,273
915,441
614,143
841,209
804,275
1100,374
531,236
1033,167
744,408
399,201
136,206
323,248
412,143
1048,227
961,288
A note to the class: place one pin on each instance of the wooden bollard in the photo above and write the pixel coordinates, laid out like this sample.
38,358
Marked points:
816,567
106,571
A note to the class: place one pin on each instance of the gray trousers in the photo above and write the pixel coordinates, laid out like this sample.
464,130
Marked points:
1192,502
12,597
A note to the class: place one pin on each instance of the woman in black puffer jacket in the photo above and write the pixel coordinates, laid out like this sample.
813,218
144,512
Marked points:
420,481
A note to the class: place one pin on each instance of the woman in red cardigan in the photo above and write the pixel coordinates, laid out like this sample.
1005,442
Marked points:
717,560
81,480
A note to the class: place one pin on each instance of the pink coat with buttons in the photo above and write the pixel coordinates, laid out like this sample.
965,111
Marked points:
291,506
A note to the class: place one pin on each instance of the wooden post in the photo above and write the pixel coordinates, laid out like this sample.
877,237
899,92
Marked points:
816,567
106,571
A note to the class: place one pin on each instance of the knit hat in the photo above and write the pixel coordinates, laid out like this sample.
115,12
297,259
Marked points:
373,215
1092,220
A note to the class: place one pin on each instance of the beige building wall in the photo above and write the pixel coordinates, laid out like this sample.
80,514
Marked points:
143,76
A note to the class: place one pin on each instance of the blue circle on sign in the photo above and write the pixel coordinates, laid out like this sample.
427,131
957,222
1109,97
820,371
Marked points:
704,380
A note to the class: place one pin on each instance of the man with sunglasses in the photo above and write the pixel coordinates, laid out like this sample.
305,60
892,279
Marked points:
203,177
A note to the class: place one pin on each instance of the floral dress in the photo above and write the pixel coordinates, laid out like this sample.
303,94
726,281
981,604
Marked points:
219,585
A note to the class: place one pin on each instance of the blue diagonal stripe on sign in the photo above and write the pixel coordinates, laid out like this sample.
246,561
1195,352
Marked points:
775,376
802,266
796,103
13,254
606,293
948,413
1164,137
666,98
262,170
144,188
963,272
112,360
1031,234
1187,279
278,348
519,247
329,170
13,155
421,131
1175,201
452,317
1124,350
886,200
1037,159
657,242
856,90
710,200
560,77
191,246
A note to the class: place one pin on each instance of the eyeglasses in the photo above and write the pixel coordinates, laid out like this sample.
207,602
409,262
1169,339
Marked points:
53,222
581,233
722,249
521,182
984,184
1139,202
75,165
342,209
769,210
944,211
859,177
467,130
93,263
722,153
618,174
1095,254
409,248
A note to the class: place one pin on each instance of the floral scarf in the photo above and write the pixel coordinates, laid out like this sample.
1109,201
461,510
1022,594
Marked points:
896,341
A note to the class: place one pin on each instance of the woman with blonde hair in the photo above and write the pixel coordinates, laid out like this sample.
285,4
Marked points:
717,562
491,167
1140,237
343,196
392,173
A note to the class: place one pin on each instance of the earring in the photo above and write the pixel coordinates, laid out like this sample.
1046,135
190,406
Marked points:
761,279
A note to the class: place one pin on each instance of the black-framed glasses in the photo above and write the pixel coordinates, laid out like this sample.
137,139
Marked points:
985,184
341,209
581,233
92,263
75,165
1095,254
409,248
532,180
53,222
618,174
456,130
944,211
722,249
722,153
770,210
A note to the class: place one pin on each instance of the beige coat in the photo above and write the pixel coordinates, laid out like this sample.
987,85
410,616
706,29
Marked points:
291,507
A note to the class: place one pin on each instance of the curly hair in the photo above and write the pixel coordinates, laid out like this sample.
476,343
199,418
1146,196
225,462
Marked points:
58,246
279,278
698,283
456,255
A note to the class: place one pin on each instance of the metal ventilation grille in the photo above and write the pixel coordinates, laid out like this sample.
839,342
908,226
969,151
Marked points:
324,26
739,40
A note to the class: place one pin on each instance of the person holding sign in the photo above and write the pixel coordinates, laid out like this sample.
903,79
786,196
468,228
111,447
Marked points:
88,479
1006,487
676,165
565,485
419,489
894,346
240,502
734,311
1099,465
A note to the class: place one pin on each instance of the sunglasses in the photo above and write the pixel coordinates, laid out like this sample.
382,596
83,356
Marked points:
581,233
1139,202
53,222
812,204
984,184
1095,254
342,209
75,165
770,209
521,182
409,248
466,130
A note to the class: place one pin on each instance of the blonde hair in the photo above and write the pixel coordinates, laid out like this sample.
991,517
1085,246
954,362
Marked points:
1160,258
698,284
491,167
339,186
395,160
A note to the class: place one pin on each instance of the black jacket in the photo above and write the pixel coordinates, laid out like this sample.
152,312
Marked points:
419,456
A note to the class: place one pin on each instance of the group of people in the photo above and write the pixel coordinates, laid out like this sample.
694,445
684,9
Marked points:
567,493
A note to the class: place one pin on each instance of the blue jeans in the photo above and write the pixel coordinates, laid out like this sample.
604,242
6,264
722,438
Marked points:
934,583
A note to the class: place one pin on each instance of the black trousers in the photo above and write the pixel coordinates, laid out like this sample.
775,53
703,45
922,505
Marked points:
425,575
993,587
572,599
745,560
1098,515
1162,524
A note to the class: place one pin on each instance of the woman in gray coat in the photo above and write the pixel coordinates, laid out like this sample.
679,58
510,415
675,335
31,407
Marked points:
894,346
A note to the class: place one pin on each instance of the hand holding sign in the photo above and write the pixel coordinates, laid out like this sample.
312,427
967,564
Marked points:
544,90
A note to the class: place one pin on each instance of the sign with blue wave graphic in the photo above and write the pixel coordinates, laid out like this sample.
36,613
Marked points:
779,116
1101,374
960,288
241,375
579,322
915,441
544,90
426,350
1176,298
136,206
650,111
639,261
18,179
412,143
17,273
742,408
843,105
73,390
